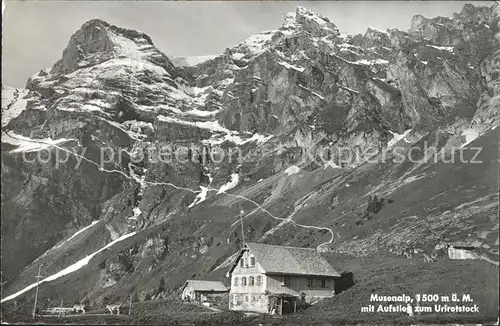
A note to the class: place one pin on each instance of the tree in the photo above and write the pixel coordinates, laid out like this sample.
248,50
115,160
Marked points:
161,286
135,297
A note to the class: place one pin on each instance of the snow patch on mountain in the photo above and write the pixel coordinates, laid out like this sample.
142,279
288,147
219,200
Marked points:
397,137
209,125
70,269
305,19
237,56
444,48
124,46
237,139
201,113
292,170
77,233
370,62
235,178
200,197
378,30
313,93
214,126
127,65
332,165
191,61
469,135
254,44
289,66
26,144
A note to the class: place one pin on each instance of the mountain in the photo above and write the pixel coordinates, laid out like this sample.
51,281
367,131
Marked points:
304,122
191,61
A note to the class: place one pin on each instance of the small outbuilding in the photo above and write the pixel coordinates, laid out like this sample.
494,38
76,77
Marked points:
462,251
202,291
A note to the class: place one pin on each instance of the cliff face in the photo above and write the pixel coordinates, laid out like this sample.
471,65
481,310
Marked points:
280,98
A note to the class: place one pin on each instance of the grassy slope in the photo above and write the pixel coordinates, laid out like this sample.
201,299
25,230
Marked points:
387,275
439,206
159,312
449,187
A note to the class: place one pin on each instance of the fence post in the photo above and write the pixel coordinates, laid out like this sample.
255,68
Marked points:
60,308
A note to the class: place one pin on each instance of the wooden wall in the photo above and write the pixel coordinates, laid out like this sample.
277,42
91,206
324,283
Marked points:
187,291
238,270
299,285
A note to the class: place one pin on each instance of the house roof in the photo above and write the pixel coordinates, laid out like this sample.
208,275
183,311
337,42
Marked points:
289,260
462,245
207,286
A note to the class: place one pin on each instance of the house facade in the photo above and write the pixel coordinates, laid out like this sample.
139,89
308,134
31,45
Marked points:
273,279
202,291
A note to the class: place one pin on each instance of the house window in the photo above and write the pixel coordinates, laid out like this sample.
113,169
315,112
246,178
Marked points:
310,282
259,280
251,281
243,281
253,298
242,263
246,298
235,283
235,300
285,280
252,261
322,283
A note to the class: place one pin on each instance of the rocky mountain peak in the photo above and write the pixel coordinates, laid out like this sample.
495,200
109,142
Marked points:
309,21
475,14
98,41
302,20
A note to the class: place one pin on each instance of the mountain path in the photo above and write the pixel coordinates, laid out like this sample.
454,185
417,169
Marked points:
153,183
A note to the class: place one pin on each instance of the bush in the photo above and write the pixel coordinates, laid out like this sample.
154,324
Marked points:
374,204
135,297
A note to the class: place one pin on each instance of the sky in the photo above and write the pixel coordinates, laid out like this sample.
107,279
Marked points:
36,32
